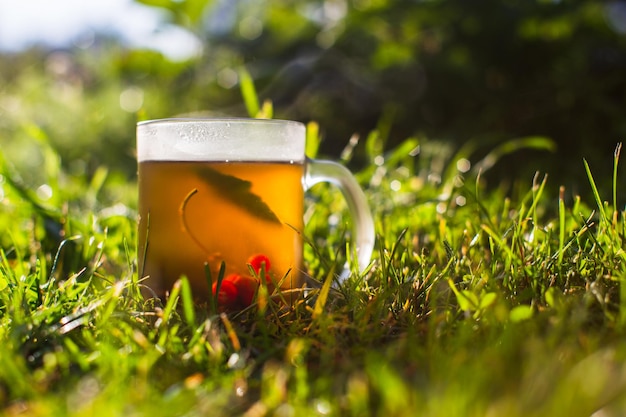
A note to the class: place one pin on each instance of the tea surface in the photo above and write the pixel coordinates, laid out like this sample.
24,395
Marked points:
192,213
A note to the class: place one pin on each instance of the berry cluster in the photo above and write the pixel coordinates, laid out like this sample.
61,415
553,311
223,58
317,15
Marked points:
237,291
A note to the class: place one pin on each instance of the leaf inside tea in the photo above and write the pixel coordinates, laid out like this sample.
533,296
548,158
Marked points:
238,192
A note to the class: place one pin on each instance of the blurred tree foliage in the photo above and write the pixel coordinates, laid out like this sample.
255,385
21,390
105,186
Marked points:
459,71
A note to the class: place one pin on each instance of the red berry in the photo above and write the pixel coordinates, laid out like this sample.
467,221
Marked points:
257,262
228,295
246,289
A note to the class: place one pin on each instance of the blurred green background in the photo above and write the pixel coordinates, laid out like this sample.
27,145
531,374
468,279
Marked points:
459,73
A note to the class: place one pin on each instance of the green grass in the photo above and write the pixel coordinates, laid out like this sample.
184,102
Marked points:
477,302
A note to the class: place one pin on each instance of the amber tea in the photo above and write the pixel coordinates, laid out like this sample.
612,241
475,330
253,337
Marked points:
195,213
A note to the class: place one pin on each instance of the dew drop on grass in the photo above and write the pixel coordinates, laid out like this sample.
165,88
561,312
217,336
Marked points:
434,178
241,388
233,360
44,192
322,407
463,165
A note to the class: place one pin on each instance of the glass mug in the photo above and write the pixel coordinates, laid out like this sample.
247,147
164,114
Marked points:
231,191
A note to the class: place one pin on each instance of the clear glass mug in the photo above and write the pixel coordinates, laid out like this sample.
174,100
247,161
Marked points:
231,192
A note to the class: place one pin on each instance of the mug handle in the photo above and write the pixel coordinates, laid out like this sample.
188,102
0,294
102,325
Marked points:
332,172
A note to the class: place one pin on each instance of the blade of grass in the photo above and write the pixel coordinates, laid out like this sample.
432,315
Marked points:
213,305
561,225
166,315
230,331
596,194
322,296
248,92
618,150
514,145
537,192
267,110
313,139
500,243
187,301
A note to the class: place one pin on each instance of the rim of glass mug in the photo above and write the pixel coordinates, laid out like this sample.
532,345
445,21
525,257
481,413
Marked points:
221,139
